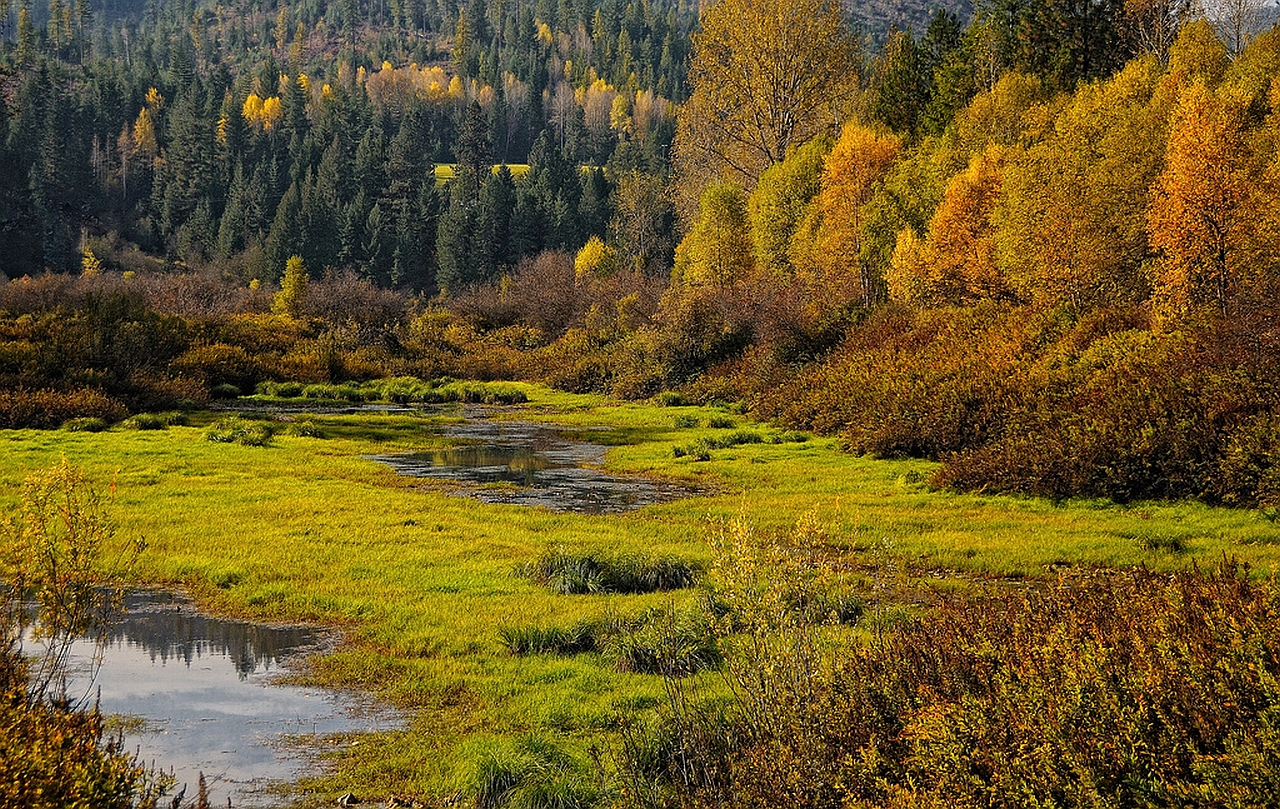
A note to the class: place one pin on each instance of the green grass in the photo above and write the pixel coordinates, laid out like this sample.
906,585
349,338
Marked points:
306,528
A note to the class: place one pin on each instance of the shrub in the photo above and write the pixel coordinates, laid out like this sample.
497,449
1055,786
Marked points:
53,549
48,409
1118,689
225,391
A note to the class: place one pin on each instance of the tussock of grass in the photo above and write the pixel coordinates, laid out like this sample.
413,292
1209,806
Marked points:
583,573
554,640
237,430
659,641
304,428
532,772
670,642
84,424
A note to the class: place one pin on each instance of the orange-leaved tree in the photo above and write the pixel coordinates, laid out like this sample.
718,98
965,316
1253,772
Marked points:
1210,204
956,264
826,248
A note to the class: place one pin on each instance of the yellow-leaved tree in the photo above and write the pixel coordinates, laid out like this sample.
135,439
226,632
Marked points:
717,251
956,263
1205,203
766,76
293,288
1070,221
827,246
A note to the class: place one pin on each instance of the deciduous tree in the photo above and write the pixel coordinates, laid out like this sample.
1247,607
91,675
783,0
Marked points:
766,75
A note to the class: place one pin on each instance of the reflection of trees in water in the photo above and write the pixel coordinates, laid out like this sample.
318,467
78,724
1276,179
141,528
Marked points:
164,625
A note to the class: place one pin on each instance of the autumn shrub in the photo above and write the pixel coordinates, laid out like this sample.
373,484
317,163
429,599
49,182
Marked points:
48,408
56,757
219,364
1104,688
1046,401
56,565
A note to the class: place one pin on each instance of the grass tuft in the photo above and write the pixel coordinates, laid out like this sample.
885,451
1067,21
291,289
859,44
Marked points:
584,573
84,424
236,430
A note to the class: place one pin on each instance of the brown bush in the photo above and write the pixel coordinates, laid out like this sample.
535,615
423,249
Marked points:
48,408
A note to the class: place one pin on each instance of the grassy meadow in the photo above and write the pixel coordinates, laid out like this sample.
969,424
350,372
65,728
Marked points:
424,584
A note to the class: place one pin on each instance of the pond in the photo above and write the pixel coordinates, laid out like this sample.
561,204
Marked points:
207,695
532,465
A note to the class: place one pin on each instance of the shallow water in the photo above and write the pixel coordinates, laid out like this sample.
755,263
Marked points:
206,691
532,465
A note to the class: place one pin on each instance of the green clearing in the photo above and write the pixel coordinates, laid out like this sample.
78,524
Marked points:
424,584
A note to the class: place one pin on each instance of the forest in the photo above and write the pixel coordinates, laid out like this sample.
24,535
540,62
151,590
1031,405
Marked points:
1039,245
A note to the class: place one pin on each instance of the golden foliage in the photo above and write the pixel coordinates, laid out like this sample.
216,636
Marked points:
826,248
1204,202
766,75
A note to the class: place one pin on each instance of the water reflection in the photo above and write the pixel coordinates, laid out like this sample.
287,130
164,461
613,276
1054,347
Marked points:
169,631
206,692
532,465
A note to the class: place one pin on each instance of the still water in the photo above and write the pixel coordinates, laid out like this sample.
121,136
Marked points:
206,689
532,465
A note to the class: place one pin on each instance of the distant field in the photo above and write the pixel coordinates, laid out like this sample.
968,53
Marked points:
424,584
444,171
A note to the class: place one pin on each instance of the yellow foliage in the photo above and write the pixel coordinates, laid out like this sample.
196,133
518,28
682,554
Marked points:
144,134
956,264
272,112
1205,202
90,265
251,111
826,247
595,260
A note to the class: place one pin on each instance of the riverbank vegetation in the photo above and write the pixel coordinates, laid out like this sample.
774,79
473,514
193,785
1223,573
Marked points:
492,625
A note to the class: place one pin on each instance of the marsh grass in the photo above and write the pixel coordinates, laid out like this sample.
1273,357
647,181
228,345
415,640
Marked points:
421,582
397,390
532,772
238,430
84,424
554,640
155,421
569,573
